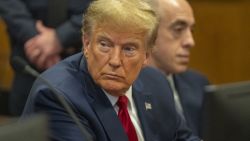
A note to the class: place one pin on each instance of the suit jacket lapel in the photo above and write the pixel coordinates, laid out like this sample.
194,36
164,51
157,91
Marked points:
109,118
184,92
144,105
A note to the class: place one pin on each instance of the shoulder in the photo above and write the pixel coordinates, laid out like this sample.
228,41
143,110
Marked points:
152,79
154,82
65,77
151,74
192,76
66,69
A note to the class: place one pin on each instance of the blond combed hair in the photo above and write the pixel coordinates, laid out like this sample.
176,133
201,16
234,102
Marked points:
122,15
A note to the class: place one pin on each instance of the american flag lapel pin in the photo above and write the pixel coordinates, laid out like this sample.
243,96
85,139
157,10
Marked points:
148,106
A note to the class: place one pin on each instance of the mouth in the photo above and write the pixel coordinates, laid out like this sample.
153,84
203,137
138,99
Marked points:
184,57
112,76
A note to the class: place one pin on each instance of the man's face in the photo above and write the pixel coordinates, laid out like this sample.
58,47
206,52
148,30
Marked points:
174,40
114,58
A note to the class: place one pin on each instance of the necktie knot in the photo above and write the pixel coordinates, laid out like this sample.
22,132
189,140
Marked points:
122,102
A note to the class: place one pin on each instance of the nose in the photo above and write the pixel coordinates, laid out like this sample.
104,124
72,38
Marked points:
189,40
115,58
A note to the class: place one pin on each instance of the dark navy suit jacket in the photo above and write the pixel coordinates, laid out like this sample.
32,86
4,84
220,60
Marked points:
190,86
72,80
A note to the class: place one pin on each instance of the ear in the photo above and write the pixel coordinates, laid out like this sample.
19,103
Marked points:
86,44
145,62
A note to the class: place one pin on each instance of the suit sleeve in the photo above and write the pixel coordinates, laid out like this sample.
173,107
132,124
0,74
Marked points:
20,23
70,31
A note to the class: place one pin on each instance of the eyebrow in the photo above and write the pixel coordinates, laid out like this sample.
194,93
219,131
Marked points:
179,22
101,37
104,36
135,44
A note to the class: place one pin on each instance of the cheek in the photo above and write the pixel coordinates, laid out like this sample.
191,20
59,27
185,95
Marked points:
162,51
167,48
96,63
165,44
97,57
132,68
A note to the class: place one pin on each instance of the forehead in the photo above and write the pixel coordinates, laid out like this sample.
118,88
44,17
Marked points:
119,35
176,11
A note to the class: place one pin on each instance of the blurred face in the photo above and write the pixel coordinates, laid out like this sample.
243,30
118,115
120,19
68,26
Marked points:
174,39
114,58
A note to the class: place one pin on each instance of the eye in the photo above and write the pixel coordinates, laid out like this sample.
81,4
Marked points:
129,50
104,45
178,30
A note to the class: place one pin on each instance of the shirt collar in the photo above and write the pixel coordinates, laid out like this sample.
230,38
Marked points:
171,81
114,99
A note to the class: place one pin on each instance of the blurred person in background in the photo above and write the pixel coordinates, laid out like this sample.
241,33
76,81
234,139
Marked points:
42,32
171,55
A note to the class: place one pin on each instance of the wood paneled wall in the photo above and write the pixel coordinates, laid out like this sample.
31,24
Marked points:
6,73
222,35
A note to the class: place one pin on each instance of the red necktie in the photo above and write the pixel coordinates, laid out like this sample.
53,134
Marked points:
125,118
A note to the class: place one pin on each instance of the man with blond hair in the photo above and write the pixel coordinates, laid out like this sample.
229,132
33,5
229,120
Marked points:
114,98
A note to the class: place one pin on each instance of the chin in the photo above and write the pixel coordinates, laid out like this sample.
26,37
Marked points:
115,88
181,70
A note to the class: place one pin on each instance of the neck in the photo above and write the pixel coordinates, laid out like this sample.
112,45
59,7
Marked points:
154,64
116,93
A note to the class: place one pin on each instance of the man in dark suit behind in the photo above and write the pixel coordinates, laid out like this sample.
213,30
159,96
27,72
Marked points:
171,55
117,35
42,32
